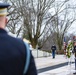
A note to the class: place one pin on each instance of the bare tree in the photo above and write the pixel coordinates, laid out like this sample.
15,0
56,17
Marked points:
33,19
60,24
34,14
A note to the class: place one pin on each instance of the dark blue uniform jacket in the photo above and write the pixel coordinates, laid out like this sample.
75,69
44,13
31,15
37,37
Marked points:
12,56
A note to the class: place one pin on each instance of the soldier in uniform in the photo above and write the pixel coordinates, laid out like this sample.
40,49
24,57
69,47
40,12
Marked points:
12,50
74,50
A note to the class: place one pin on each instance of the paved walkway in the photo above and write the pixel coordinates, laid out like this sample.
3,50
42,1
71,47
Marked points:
60,59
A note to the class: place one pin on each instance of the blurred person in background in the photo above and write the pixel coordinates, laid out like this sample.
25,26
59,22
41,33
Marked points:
53,48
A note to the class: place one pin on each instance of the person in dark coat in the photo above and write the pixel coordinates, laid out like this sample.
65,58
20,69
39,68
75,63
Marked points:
12,50
53,48
74,51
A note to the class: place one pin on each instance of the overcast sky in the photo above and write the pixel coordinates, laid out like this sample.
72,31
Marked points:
72,29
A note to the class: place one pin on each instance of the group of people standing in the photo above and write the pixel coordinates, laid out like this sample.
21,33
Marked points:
13,50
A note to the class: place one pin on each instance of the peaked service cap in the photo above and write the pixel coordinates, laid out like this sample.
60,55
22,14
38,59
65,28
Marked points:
3,8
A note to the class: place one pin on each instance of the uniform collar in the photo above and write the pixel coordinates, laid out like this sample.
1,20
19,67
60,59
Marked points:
2,31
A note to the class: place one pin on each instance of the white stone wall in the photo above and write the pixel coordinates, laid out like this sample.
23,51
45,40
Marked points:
38,53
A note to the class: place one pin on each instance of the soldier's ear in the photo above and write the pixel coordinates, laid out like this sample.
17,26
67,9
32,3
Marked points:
6,20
